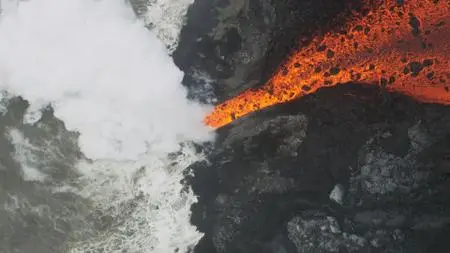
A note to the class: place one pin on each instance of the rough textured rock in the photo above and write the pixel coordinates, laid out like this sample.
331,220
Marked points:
267,181
347,169
237,44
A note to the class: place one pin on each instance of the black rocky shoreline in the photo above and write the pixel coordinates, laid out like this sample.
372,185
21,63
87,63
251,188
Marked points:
266,185
348,169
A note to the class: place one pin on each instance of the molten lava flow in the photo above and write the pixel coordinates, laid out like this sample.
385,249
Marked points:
403,47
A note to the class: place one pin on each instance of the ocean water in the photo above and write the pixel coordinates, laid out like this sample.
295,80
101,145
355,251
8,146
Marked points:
95,129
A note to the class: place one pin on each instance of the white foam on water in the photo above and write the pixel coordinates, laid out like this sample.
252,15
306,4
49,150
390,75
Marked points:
110,79
104,73
150,208
25,155
4,100
163,17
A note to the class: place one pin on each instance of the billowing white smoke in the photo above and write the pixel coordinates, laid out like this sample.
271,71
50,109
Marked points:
110,79
105,75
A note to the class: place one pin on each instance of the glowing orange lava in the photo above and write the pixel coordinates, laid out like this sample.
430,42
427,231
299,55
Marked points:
403,47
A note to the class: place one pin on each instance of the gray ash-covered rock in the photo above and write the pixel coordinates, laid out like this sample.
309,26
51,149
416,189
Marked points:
237,44
266,184
313,231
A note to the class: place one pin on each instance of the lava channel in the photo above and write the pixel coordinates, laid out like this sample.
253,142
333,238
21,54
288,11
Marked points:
402,47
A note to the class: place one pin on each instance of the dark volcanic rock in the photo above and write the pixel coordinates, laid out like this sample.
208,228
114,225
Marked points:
267,181
237,44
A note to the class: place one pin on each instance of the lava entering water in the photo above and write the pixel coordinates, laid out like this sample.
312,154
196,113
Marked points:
403,47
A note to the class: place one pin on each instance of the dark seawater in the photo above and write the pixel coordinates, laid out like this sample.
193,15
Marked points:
36,164
114,185
51,204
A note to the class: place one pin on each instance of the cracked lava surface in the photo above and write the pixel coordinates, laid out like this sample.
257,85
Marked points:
402,47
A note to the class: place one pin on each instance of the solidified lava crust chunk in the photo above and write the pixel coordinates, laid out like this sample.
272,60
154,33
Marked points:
403,46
